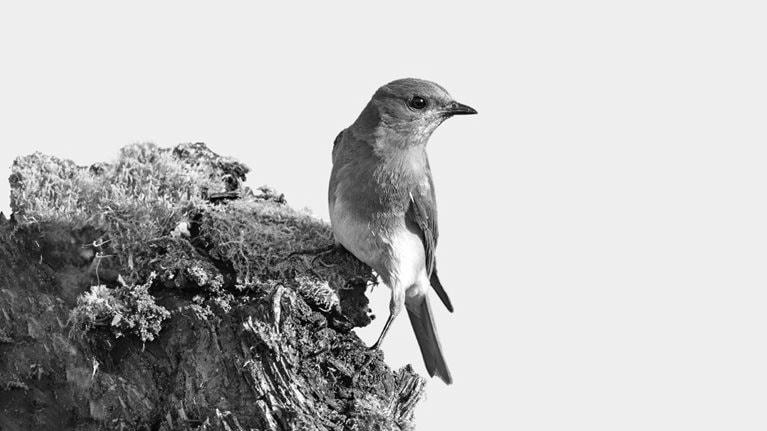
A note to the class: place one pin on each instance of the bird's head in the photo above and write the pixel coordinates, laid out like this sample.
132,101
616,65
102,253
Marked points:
411,109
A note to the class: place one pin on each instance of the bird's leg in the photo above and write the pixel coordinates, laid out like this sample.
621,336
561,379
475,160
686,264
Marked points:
395,306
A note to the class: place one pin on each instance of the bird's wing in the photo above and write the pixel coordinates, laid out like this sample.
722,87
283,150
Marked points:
333,175
423,214
336,141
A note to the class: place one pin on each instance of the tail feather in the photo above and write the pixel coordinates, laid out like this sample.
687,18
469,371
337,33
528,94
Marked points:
423,326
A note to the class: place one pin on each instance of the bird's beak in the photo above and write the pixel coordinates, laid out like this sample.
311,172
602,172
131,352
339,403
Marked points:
455,108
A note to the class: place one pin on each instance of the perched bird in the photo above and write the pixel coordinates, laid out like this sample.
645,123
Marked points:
382,204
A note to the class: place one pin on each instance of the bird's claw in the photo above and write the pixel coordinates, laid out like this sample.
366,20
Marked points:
319,251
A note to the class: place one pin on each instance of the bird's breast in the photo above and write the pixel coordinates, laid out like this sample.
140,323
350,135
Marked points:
369,195
383,241
354,232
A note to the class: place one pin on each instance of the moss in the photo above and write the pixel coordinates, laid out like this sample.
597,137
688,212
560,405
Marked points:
138,199
153,214
257,249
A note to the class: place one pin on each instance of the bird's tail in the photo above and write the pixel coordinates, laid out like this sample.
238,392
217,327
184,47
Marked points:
422,321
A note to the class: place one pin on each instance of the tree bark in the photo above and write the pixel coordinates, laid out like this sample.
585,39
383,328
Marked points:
271,351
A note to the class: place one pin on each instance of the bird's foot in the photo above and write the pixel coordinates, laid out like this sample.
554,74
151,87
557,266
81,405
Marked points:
318,253
314,251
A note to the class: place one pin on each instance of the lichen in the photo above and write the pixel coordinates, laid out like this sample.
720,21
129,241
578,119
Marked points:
128,309
318,292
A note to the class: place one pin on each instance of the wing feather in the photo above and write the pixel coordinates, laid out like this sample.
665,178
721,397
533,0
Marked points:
422,213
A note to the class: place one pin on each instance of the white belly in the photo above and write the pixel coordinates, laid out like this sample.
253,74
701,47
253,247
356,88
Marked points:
396,253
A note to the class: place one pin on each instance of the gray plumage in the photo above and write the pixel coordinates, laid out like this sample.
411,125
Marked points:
382,201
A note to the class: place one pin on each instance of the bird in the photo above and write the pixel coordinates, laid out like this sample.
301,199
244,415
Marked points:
382,202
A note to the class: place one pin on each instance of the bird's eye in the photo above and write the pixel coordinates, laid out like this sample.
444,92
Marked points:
417,102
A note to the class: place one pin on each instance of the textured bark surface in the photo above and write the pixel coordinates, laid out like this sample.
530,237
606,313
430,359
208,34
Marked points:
254,337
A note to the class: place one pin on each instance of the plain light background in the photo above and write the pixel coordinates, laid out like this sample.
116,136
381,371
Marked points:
603,220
